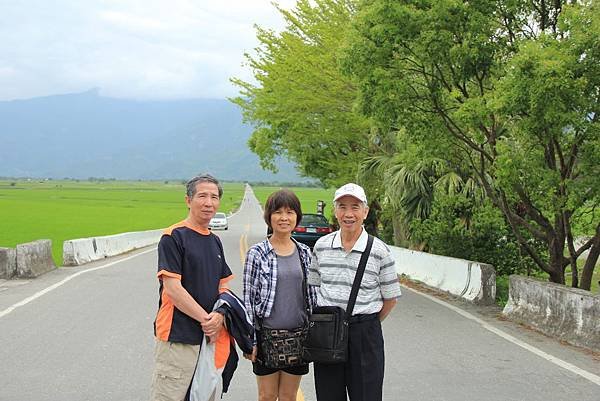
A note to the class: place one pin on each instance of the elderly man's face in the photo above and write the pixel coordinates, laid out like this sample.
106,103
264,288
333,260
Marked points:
204,204
350,214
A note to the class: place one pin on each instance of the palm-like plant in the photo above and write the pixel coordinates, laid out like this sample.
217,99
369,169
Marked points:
409,188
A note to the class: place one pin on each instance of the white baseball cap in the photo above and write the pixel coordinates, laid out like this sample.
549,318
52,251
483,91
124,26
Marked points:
351,189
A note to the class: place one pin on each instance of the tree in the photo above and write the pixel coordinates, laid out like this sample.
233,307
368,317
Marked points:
302,105
514,86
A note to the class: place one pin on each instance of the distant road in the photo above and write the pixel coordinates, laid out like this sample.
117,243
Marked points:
90,338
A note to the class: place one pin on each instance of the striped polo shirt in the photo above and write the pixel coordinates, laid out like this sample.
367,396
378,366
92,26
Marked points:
333,270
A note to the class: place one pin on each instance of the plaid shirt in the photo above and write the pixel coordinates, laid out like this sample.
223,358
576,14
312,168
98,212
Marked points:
260,278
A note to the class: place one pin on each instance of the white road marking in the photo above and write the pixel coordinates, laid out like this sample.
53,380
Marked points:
69,278
559,362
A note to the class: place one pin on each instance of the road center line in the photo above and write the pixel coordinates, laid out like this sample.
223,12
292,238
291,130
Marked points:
243,247
559,362
69,278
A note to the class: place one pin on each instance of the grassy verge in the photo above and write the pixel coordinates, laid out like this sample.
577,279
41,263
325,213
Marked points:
62,210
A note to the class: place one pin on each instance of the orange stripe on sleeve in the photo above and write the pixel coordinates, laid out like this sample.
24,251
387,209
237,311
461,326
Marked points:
225,280
167,273
170,229
164,318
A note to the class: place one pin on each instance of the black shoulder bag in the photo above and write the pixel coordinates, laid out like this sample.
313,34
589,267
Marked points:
327,339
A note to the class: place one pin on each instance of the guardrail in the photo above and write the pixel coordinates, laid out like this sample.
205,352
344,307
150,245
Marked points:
84,250
27,260
570,314
472,281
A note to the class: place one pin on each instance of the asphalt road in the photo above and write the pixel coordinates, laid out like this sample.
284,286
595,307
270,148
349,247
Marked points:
85,333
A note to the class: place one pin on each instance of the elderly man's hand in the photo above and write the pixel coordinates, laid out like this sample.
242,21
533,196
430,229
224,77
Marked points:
213,324
251,357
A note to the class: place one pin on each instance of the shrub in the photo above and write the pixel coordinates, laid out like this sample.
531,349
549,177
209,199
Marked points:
459,228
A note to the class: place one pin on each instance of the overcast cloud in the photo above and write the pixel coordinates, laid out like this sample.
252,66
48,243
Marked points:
147,49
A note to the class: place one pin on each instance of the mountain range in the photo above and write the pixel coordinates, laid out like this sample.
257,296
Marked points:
86,135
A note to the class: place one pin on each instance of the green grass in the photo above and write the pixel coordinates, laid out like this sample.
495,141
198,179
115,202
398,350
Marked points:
62,210
308,197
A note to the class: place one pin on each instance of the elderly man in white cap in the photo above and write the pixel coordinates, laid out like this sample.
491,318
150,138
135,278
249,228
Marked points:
335,261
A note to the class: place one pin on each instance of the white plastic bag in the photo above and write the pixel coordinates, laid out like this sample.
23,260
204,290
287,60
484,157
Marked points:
207,381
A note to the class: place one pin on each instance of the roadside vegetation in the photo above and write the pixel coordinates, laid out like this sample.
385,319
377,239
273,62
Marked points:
473,126
62,210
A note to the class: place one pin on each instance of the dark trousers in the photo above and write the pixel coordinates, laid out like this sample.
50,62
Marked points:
362,373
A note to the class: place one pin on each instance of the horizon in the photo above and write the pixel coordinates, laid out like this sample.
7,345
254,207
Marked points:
98,93
310,183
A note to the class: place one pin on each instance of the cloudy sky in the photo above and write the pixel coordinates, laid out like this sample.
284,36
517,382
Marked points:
139,49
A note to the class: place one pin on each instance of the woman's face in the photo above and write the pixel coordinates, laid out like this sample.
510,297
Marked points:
283,221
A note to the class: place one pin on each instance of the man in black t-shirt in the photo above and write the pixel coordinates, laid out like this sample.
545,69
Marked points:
191,269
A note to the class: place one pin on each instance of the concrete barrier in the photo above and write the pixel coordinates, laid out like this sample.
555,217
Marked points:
570,314
8,263
84,250
473,281
34,258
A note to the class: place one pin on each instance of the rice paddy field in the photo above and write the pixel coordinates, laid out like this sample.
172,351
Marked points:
62,210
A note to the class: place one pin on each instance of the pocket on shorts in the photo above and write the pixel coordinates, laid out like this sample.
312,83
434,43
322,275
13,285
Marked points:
166,371
168,382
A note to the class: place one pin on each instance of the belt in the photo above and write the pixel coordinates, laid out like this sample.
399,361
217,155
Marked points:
363,318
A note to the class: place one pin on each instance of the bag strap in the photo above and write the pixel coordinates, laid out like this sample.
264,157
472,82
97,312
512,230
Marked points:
305,294
358,277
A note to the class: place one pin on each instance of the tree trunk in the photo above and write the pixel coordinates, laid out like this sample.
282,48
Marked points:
574,275
590,264
558,262
371,222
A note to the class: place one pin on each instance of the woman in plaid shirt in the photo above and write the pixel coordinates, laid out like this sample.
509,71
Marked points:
275,291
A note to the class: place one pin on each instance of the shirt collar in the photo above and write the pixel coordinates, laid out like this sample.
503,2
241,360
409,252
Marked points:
360,245
271,249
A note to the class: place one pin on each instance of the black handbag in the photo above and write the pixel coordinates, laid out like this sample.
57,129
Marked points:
327,338
281,348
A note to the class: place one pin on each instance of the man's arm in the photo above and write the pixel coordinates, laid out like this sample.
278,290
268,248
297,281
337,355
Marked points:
183,300
388,305
211,323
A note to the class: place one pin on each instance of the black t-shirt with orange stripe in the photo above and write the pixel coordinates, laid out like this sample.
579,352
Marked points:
195,257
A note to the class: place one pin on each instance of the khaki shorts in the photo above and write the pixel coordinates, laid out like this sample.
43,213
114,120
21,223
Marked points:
174,366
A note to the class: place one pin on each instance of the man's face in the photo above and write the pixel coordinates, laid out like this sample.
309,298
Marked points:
204,204
350,214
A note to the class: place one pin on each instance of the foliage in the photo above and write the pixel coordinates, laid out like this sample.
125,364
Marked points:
406,173
512,89
302,106
502,288
460,228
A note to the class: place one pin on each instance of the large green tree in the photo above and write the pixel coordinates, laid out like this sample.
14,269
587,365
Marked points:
301,105
514,86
